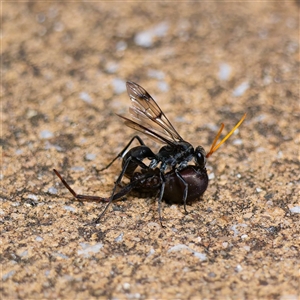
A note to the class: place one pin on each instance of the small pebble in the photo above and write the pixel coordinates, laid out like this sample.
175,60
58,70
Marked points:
121,46
238,268
33,197
52,190
119,85
163,86
70,208
211,176
8,275
224,71
237,142
156,74
90,156
145,38
295,209
87,249
85,97
119,238
241,89
39,239
78,169
112,67
46,134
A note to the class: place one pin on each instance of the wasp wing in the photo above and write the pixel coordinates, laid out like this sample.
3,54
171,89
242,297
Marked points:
145,111
150,132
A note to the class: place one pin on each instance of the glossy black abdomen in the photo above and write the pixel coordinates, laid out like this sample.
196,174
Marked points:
194,176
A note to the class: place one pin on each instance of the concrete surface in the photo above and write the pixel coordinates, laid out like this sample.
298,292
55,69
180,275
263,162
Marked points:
64,68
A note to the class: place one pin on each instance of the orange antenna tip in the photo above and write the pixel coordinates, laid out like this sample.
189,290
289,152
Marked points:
215,147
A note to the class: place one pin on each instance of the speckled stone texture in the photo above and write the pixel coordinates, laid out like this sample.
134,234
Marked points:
64,68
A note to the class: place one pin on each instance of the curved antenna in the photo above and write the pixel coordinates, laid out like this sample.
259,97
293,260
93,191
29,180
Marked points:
215,147
211,151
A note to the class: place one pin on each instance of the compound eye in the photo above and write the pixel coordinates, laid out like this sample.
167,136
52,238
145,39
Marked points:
200,156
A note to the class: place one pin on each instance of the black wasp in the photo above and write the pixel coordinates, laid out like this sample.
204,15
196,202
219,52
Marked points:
169,172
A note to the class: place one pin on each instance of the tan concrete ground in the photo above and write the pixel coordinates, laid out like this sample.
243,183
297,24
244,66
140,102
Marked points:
64,68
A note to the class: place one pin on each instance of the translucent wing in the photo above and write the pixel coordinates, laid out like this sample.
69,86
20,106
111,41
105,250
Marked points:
147,117
151,133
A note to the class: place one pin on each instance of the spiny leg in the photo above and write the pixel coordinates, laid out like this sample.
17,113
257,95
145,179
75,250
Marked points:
110,199
125,166
123,151
78,196
161,194
113,196
185,192
124,191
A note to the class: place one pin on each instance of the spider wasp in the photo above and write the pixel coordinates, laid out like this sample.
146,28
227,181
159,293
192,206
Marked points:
169,172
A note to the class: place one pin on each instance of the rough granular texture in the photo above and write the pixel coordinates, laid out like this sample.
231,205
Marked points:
64,68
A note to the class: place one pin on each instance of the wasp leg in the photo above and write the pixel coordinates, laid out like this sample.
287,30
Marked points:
161,194
185,192
125,166
78,196
123,151
124,191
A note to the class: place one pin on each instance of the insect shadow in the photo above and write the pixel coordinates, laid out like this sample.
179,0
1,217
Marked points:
176,173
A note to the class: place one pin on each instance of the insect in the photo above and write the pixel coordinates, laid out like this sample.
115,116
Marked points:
150,181
169,172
